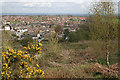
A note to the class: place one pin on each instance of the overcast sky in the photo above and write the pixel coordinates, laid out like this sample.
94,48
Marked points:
46,6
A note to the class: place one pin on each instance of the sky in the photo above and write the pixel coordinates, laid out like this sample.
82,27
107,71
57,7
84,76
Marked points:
46,6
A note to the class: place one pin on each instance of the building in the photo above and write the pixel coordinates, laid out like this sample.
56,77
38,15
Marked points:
7,27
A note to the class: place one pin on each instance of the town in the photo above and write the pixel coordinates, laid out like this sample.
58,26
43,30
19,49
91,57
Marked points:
39,27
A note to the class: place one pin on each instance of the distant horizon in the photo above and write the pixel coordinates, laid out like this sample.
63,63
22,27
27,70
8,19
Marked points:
45,14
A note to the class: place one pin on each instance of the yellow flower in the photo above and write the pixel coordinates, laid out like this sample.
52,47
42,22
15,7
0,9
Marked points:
25,47
20,55
31,71
3,58
37,65
36,58
7,52
3,72
28,56
14,56
42,73
30,59
10,72
25,62
28,69
34,73
40,44
33,47
8,49
8,67
10,54
8,75
12,50
5,64
8,59
2,53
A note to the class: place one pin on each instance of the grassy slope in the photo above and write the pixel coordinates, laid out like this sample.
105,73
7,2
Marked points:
74,60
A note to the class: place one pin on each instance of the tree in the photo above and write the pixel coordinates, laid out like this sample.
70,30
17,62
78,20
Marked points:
58,29
79,35
103,24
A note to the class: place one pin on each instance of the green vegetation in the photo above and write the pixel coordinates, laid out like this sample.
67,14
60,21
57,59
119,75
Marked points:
18,64
6,39
74,59
103,25
79,35
14,35
90,52
26,41
58,29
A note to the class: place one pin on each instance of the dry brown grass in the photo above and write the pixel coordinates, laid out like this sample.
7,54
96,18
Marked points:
72,61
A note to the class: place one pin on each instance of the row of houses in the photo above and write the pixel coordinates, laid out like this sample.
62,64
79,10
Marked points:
39,26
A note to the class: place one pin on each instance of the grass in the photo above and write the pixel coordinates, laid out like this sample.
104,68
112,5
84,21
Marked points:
75,46
99,52
73,60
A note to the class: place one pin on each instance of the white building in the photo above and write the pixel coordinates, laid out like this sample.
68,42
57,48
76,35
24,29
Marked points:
7,27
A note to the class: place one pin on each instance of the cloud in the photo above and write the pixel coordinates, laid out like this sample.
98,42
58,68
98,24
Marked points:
60,4
45,4
74,1
29,5
38,4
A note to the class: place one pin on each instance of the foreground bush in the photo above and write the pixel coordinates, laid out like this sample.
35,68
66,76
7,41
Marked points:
19,64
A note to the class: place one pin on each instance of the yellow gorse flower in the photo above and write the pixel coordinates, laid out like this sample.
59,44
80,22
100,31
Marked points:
42,72
3,73
37,65
40,44
23,61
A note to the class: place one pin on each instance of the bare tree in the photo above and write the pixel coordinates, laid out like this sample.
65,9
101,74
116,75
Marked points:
103,24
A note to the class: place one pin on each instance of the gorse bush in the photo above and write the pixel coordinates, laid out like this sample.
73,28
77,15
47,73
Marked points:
19,64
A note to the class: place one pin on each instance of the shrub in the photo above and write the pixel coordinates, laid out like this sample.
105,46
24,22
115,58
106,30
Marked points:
53,41
19,64
78,35
14,35
26,41
58,29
